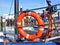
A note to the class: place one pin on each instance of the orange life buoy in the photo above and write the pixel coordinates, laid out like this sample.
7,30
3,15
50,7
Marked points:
40,25
48,34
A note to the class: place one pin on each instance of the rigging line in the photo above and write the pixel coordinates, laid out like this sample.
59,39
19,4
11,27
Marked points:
1,12
11,7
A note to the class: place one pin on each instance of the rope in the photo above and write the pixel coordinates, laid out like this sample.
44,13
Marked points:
11,7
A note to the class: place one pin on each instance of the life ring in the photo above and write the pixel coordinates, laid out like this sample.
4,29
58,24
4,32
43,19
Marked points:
40,23
48,33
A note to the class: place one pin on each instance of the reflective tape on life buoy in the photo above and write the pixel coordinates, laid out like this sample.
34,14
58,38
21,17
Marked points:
40,23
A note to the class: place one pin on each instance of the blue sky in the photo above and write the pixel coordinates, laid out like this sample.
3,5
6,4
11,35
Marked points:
26,4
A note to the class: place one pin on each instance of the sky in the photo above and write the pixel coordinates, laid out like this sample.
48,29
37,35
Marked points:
26,4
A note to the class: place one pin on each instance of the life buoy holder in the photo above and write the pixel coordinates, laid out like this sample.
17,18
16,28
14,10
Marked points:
40,25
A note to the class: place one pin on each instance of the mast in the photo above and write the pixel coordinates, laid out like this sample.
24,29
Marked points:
16,13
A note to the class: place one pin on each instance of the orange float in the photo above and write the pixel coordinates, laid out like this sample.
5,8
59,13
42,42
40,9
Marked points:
40,25
50,24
